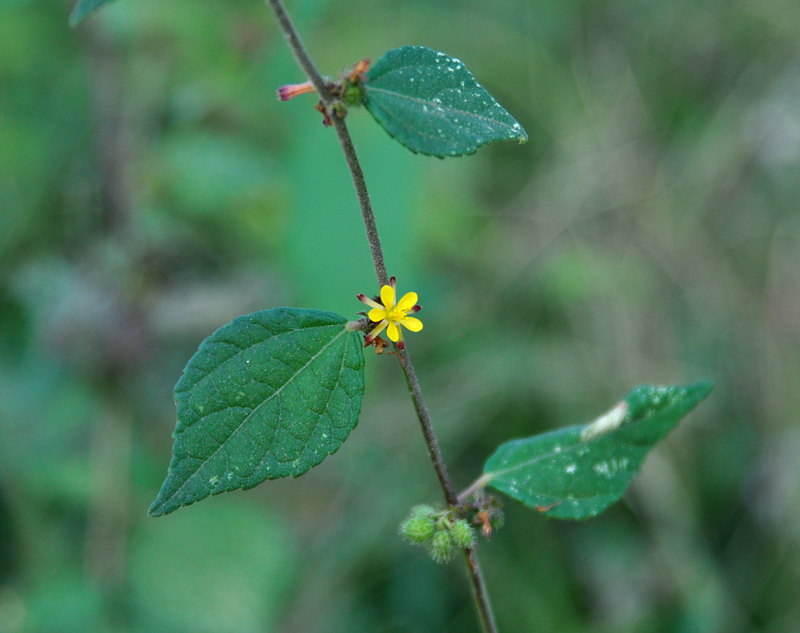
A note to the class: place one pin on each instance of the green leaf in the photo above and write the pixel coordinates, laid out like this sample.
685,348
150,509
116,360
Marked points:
82,9
269,395
577,472
432,104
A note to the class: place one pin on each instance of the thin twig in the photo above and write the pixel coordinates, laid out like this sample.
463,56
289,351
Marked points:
293,40
479,593
363,200
427,428
300,54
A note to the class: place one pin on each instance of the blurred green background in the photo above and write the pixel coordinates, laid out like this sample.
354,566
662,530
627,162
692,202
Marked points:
152,188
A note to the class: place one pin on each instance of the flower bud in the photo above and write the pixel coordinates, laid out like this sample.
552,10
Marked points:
353,94
497,519
290,91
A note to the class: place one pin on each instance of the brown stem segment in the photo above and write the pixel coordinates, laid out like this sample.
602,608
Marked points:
479,593
363,200
300,54
293,40
427,428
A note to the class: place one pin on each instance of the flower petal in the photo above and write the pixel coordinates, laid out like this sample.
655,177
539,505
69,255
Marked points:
376,314
412,323
407,302
370,302
393,332
376,331
387,296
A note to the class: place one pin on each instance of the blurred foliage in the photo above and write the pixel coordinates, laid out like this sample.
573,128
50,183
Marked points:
152,188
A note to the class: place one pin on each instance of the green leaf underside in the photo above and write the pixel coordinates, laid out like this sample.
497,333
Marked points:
432,104
568,477
269,395
82,9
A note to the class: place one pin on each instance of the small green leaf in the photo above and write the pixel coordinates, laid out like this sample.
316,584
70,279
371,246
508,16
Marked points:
269,395
82,9
432,104
577,472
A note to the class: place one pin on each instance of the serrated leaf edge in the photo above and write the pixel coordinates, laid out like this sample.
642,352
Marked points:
159,502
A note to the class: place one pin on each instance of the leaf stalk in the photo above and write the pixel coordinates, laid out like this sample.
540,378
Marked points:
476,485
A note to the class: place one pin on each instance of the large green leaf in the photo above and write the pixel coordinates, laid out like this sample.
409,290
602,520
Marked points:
577,472
269,395
432,104
82,9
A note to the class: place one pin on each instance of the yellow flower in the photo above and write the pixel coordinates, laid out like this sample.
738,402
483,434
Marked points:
390,315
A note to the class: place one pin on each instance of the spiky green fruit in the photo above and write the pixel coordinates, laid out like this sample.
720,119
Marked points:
441,546
418,528
462,534
353,94
422,509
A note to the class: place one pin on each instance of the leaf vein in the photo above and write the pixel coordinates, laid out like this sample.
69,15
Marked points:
244,421
205,373
417,100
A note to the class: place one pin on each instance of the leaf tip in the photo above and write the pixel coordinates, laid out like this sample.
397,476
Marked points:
165,502
82,9
156,508
701,388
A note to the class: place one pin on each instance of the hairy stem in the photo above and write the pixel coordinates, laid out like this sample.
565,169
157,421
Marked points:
301,55
479,593
293,40
427,428
363,201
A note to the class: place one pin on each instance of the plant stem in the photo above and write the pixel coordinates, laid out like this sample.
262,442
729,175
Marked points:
293,40
364,202
301,55
479,594
427,428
